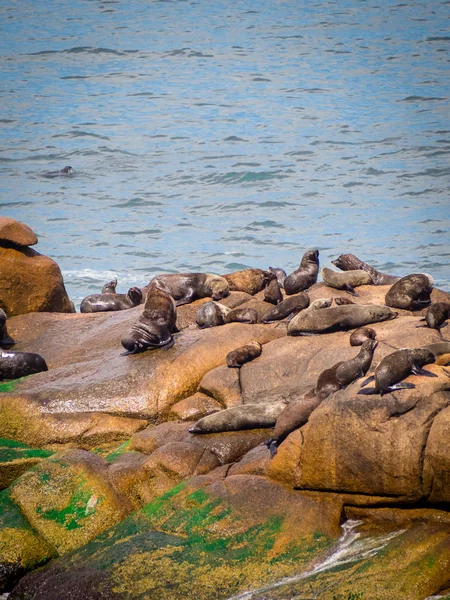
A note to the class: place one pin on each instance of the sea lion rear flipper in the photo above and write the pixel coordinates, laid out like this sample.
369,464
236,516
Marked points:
127,352
169,344
423,372
402,385
368,380
368,392
348,288
272,445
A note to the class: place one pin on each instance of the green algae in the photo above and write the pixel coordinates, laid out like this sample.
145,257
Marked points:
10,386
11,450
10,514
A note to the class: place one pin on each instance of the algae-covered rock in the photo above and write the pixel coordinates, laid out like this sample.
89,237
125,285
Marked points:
16,458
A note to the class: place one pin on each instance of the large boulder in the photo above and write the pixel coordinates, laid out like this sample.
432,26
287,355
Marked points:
16,233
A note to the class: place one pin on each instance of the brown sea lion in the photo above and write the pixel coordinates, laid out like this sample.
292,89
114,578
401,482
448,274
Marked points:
309,321
346,280
156,324
240,356
306,274
187,287
411,292
251,281
110,287
211,314
396,366
280,274
272,292
350,262
242,315
237,418
359,336
436,316
19,364
65,172
289,307
340,301
111,301
5,340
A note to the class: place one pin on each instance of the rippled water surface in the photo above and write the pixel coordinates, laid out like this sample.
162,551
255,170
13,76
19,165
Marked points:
217,135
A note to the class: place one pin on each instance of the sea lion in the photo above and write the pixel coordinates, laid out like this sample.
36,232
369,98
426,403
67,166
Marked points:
436,316
289,307
441,352
272,292
211,314
251,281
306,274
397,366
347,280
331,380
350,262
110,287
19,364
237,418
240,356
111,301
5,340
359,336
187,287
156,324
309,321
340,301
65,172
411,292
280,274
242,315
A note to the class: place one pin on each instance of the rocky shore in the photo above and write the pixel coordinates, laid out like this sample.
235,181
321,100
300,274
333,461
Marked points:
106,494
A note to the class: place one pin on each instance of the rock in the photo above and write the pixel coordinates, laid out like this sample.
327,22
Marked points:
437,458
193,408
223,385
15,232
16,458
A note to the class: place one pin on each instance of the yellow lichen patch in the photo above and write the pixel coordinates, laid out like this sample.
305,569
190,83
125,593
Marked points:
23,547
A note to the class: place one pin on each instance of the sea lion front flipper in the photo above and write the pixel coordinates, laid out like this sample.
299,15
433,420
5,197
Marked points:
348,288
272,445
368,380
127,352
423,372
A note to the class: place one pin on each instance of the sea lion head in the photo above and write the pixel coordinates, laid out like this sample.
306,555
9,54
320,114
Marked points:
219,287
135,295
67,170
311,256
423,356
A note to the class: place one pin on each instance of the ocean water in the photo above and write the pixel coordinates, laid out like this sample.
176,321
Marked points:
214,136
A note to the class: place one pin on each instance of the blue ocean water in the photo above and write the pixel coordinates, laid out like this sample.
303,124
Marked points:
213,136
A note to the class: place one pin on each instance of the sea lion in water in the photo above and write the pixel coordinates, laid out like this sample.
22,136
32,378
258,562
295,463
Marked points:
237,418
306,274
338,317
350,262
436,316
19,364
289,307
211,314
359,336
340,301
240,356
272,292
110,287
411,292
187,287
331,380
65,172
397,366
242,315
111,301
5,340
346,280
156,324
279,273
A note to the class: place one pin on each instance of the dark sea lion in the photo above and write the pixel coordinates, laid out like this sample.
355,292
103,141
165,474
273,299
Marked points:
5,340
110,287
436,316
19,364
65,172
288,307
279,273
331,380
411,292
110,301
251,281
396,366
335,318
240,356
346,280
272,292
237,418
242,315
350,262
156,324
306,274
211,314
361,335
340,301
187,287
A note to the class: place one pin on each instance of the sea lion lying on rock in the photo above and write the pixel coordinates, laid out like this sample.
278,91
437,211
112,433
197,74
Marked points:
155,326
242,315
306,274
240,356
5,340
211,314
288,308
340,301
250,281
436,316
411,292
272,292
246,416
110,301
350,262
19,364
347,280
359,336
187,287
279,273
352,316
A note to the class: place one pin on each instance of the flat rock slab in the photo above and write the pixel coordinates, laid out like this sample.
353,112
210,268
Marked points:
16,232
16,458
